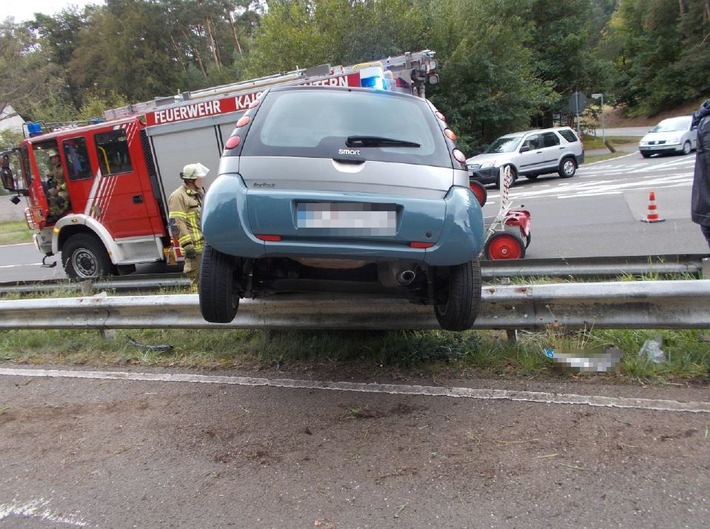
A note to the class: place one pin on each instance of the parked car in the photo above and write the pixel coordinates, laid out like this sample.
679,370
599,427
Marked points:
672,135
530,153
342,190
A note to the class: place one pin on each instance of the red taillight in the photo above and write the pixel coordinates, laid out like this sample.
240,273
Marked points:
450,134
244,120
255,103
478,191
440,116
233,142
269,238
416,244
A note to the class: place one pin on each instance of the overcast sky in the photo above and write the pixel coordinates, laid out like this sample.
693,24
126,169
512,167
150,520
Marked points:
25,9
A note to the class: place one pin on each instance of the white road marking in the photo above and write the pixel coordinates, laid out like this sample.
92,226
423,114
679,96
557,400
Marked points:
585,188
393,389
37,510
23,265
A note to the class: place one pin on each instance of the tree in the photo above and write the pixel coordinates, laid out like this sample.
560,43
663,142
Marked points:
31,82
488,84
563,50
304,33
663,58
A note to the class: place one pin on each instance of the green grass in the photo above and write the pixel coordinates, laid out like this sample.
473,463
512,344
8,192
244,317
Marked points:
15,232
366,354
595,142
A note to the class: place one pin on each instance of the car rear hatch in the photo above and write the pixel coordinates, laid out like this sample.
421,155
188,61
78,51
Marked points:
345,165
317,198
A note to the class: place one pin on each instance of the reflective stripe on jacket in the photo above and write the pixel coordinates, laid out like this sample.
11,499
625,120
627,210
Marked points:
185,212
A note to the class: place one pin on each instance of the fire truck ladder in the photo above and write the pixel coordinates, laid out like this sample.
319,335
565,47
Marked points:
422,66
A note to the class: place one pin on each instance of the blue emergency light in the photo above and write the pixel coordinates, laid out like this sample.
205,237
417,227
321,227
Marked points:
372,77
34,129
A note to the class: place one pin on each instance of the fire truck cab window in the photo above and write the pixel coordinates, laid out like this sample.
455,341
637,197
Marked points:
77,158
112,150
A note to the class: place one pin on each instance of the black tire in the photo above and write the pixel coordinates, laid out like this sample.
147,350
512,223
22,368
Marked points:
85,257
498,184
513,175
646,154
687,148
531,176
515,230
461,289
219,297
568,167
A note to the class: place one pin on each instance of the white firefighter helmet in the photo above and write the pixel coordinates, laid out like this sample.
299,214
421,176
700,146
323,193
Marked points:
52,152
193,170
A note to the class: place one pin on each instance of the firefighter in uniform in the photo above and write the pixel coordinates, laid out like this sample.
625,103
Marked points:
185,216
58,197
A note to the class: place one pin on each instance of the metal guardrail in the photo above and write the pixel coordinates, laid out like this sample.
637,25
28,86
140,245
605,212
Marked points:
643,304
578,267
692,265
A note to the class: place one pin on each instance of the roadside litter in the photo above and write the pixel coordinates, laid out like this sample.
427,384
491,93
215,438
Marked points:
586,362
651,349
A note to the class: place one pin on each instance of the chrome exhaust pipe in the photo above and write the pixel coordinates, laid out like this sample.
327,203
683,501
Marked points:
405,277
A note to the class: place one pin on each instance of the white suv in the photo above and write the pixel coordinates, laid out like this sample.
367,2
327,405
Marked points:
529,154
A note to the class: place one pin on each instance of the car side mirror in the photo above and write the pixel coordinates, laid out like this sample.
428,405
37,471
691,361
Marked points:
524,148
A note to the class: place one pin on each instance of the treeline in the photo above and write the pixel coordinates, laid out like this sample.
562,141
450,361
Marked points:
504,64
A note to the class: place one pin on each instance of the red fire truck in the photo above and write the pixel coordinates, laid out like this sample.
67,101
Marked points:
119,171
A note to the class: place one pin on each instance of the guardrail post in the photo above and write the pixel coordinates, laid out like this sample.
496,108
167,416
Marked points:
706,268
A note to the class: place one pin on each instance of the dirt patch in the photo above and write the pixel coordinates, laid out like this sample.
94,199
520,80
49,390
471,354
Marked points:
617,118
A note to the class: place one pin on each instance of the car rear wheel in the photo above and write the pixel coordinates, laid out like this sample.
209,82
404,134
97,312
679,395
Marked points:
219,297
568,167
686,148
461,290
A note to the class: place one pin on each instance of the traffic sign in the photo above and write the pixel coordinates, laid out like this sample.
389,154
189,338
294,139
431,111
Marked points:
577,102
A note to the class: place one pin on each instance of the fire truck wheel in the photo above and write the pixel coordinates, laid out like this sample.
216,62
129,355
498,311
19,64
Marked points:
218,292
84,257
461,290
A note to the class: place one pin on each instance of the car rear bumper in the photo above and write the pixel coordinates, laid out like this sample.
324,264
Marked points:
453,225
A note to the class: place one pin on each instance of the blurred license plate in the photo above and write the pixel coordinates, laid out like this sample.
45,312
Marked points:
381,219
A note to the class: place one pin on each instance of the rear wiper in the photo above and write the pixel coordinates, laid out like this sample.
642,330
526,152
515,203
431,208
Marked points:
377,141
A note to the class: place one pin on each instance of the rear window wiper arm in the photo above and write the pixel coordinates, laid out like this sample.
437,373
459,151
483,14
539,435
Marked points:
378,141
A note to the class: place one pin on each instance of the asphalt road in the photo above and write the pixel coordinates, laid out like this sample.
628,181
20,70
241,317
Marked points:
601,210
220,451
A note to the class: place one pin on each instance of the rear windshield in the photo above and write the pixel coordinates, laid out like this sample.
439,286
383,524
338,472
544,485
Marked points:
328,122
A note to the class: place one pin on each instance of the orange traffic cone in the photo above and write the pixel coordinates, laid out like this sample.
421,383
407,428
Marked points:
652,215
